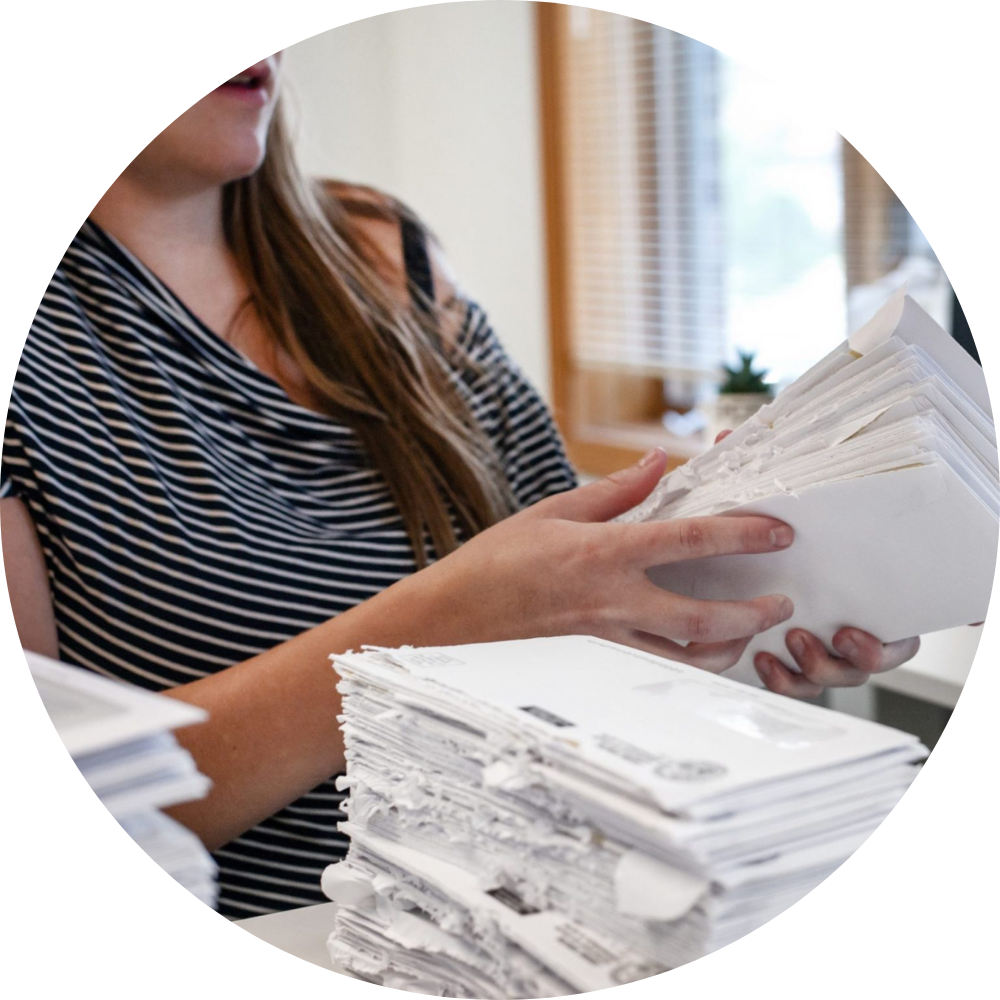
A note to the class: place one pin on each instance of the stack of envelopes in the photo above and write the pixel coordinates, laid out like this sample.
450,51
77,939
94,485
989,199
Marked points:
550,816
120,738
883,457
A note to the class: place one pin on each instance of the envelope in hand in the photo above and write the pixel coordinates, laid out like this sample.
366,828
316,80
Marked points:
883,459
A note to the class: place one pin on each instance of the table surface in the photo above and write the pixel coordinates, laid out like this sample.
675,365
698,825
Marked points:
302,933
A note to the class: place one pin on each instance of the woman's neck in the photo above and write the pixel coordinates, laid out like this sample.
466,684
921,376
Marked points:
179,236
154,223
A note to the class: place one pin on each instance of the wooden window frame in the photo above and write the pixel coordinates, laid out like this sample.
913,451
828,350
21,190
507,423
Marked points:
633,403
594,448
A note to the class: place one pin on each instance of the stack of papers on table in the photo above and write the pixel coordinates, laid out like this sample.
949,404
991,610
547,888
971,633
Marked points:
119,736
883,458
550,816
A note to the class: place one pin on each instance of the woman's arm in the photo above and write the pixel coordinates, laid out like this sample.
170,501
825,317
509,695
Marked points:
27,579
557,568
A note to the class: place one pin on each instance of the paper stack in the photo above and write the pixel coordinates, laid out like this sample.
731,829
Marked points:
883,457
551,816
119,736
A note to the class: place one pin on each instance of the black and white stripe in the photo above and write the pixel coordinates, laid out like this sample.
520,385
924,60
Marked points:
192,516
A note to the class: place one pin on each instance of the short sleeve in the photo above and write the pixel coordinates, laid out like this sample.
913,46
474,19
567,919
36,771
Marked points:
18,478
513,415
9,480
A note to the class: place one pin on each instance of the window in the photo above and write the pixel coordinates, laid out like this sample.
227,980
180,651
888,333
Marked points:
694,209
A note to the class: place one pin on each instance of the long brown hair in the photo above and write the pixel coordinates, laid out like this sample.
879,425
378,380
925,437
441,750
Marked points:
377,365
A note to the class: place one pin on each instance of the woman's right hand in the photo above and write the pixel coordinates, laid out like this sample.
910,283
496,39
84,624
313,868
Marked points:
559,568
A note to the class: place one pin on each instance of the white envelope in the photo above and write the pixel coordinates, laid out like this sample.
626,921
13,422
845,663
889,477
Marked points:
665,733
895,554
92,713
883,459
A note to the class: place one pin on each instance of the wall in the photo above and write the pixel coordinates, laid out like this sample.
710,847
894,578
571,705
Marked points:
438,105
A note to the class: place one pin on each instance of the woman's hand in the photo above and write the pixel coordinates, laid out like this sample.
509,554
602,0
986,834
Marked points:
860,656
560,568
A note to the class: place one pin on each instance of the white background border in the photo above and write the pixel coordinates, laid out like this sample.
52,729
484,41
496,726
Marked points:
912,85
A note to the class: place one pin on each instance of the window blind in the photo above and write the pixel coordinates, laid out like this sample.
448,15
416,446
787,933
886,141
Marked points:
695,209
705,211
644,250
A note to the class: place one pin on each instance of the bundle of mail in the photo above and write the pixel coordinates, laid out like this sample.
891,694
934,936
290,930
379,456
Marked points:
120,738
883,458
549,816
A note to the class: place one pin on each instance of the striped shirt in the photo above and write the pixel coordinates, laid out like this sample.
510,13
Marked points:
192,516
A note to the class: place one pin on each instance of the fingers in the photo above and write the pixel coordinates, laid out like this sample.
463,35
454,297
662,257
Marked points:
861,655
779,679
721,436
655,543
713,657
609,497
819,666
865,652
686,619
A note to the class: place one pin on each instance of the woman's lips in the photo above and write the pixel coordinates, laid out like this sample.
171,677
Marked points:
250,86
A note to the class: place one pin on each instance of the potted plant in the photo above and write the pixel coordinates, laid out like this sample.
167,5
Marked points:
742,393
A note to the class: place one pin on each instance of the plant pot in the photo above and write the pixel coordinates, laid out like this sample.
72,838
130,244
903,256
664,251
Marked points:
731,409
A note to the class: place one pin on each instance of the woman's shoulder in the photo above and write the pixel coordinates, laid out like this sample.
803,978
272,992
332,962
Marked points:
400,245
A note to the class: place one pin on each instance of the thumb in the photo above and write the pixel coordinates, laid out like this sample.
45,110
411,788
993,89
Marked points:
610,496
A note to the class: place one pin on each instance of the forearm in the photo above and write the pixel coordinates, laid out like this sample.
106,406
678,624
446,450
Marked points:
273,734
553,569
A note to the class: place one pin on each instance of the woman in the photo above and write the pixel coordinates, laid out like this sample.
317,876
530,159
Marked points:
252,427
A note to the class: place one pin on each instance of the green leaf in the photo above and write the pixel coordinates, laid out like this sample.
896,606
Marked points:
744,378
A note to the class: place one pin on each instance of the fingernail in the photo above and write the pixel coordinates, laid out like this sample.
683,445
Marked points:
650,457
764,665
787,609
797,645
846,646
782,537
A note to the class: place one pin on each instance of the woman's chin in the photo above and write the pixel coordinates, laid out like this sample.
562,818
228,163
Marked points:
246,169
229,151
236,167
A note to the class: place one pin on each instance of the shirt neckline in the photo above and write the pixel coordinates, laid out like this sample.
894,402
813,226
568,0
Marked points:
205,339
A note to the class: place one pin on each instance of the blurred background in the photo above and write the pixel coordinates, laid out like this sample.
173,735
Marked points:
633,209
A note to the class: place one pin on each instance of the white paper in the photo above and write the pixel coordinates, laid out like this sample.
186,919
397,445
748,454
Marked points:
565,814
645,887
91,712
883,458
737,737
119,737
894,554
563,945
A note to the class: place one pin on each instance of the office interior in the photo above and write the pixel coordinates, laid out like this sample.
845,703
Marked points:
769,235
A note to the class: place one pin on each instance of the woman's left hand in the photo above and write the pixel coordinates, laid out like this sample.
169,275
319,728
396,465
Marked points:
858,656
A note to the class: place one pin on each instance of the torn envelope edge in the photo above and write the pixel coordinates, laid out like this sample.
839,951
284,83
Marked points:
901,316
506,682
899,320
582,957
